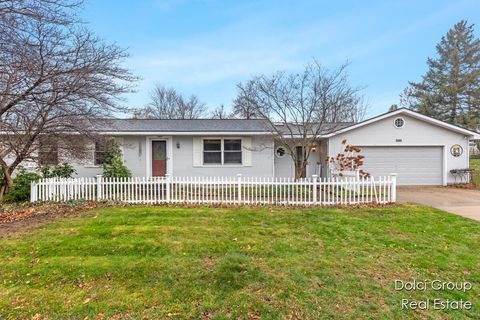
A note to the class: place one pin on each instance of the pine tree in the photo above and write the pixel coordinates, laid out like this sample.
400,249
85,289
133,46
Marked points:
450,90
393,107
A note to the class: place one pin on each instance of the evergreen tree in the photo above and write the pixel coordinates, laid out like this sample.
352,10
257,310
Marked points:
450,90
113,166
393,107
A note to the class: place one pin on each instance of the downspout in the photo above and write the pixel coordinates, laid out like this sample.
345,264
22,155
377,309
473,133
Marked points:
327,163
273,158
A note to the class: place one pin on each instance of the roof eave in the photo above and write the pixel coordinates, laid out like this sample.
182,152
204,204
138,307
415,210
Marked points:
471,134
180,133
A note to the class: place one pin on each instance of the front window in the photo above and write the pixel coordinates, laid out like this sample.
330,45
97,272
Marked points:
48,152
101,148
212,151
232,151
280,152
222,151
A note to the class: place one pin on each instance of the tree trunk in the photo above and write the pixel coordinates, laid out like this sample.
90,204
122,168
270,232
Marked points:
7,182
299,169
300,164
2,193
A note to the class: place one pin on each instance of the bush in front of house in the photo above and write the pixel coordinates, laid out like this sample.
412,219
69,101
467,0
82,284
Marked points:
113,166
63,170
23,178
21,186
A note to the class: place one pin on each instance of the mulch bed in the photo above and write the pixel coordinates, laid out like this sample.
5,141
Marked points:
470,186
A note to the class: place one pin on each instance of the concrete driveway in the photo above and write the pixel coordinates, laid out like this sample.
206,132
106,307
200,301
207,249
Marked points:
459,201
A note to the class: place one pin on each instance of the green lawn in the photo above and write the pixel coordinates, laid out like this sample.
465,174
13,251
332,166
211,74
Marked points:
210,263
475,165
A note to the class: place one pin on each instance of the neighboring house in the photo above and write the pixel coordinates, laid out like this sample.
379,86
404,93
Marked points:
474,148
420,149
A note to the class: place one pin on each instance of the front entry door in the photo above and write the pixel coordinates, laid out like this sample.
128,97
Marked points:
159,158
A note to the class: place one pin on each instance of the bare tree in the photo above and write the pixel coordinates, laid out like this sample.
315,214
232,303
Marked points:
243,108
167,103
51,11
220,113
298,106
192,108
54,80
164,104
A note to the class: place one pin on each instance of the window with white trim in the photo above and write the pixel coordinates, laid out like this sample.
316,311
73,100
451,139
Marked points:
101,149
212,151
222,151
399,122
48,151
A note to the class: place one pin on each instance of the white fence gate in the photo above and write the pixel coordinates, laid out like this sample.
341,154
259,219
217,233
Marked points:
219,190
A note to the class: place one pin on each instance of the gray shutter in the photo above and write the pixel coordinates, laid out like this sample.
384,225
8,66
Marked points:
197,151
247,151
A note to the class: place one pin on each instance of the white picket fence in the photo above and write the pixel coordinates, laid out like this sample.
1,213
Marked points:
236,190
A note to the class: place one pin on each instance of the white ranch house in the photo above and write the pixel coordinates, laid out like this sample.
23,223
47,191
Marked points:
420,149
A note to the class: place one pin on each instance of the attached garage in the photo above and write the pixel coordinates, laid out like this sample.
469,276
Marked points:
419,149
418,165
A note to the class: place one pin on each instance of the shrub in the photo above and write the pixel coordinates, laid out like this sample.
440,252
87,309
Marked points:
21,186
113,166
59,171
350,160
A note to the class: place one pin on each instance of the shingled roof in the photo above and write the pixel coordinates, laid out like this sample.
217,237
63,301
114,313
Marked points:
177,125
196,125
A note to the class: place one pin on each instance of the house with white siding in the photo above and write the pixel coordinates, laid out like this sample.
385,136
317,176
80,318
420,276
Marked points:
420,149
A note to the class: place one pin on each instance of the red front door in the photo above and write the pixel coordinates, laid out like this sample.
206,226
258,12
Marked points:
159,158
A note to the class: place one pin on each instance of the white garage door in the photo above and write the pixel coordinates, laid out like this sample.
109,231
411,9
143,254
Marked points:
414,165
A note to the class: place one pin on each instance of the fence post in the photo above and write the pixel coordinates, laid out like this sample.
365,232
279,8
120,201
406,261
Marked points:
394,186
167,187
357,182
98,178
239,187
314,178
32,191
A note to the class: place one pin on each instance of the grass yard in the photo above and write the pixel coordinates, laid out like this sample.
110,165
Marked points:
212,263
475,165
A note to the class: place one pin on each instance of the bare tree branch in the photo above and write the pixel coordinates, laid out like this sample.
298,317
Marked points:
167,103
55,78
300,107
220,113
48,11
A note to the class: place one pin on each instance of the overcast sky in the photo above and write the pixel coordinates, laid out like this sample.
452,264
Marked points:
207,47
